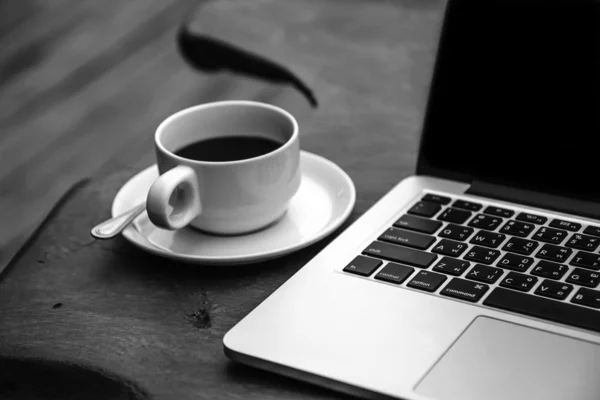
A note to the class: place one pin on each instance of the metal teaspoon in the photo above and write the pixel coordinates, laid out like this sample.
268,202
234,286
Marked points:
112,227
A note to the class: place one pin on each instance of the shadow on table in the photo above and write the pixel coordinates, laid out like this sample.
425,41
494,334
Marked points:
34,379
259,377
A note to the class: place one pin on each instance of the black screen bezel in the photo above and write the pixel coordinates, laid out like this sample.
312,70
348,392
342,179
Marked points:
430,134
423,165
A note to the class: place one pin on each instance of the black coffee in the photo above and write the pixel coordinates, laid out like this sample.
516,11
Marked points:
228,148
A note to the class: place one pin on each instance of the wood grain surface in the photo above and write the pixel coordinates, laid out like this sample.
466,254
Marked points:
80,82
83,86
79,307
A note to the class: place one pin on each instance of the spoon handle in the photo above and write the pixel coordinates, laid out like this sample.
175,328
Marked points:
112,227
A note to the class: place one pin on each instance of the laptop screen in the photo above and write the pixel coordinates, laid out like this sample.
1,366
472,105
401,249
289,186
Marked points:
515,97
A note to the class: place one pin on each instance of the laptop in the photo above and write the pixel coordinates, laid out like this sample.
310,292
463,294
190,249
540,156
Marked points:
478,277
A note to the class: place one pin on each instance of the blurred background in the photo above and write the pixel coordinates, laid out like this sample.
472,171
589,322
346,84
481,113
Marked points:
83,85
79,83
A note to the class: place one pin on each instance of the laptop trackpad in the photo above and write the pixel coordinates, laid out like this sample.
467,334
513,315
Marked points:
495,359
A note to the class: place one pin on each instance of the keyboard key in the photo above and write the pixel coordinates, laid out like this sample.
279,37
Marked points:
547,309
488,239
467,205
554,290
554,253
486,222
549,235
549,269
521,246
455,215
586,260
451,266
456,232
517,228
587,297
499,212
592,230
517,281
583,242
407,238
568,225
428,281
436,198
482,255
425,209
394,273
484,273
515,262
534,219
449,248
464,290
418,224
363,266
584,277
404,255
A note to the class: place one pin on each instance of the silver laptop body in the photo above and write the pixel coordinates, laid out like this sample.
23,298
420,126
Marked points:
477,278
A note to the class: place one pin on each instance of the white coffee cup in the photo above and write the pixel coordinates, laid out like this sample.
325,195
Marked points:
228,197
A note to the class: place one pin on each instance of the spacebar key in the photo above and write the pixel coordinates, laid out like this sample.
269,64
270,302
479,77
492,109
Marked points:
543,308
400,254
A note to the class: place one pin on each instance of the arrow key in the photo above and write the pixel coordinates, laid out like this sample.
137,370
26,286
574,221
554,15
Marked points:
554,290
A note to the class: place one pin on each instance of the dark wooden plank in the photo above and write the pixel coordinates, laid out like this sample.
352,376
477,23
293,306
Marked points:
105,305
156,323
86,91
82,50
369,65
67,70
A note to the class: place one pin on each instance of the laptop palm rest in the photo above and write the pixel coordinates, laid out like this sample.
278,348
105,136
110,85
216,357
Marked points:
498,360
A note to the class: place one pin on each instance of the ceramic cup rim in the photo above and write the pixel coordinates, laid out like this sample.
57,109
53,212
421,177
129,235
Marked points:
225,103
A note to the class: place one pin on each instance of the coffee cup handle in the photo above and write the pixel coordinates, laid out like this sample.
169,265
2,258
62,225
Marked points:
174,198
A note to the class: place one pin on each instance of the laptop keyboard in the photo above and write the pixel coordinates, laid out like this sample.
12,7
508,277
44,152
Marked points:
497,257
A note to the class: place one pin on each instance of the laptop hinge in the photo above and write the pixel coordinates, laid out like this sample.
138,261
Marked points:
566,205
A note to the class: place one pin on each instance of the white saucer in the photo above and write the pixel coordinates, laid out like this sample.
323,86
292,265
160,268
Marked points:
323,202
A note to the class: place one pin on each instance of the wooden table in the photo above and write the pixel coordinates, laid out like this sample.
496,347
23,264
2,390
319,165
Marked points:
101,319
